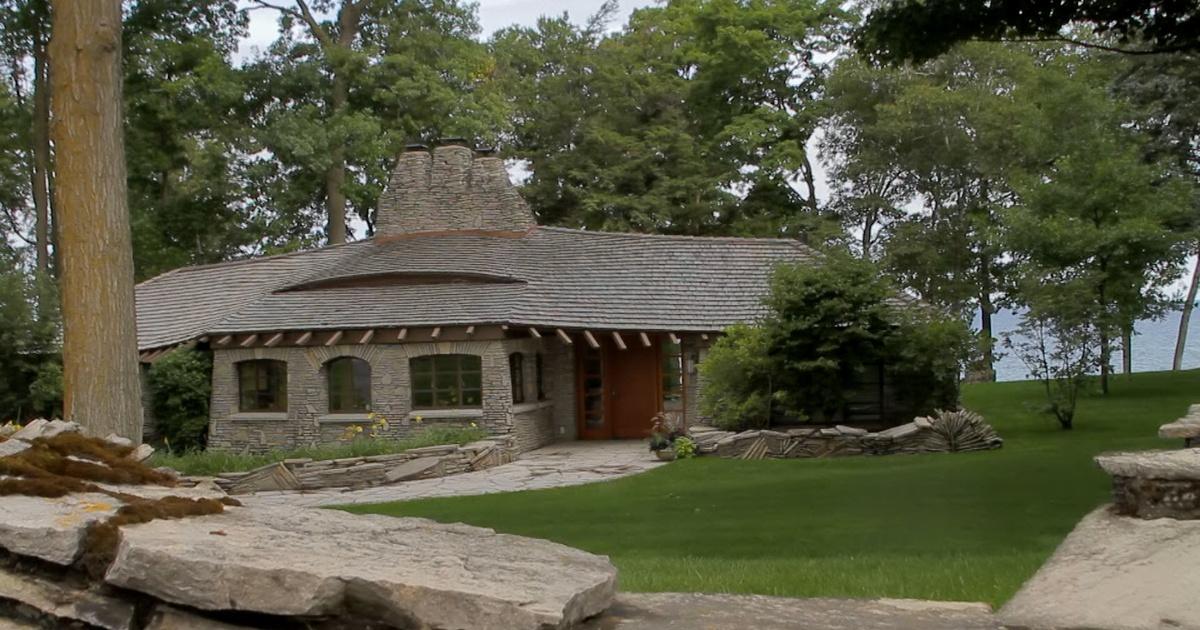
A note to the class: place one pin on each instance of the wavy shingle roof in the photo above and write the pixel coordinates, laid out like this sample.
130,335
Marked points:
553,277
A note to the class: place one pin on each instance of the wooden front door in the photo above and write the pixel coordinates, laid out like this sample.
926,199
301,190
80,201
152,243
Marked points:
619,390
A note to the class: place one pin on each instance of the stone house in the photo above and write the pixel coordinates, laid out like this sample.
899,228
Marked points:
460,310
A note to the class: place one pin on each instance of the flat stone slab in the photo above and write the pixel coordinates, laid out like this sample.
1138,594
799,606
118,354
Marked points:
412,469
688,611
274,476
1178,464
66,604
12,446
1115,573
51,529
326,562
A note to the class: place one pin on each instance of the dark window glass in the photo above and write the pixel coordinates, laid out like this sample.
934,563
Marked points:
672,375
541,382
262,386
446,380
516,373
349,385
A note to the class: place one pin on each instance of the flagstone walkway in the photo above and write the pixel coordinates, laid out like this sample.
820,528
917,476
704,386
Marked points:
557,465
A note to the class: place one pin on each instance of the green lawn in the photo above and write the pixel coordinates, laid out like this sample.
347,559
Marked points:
969,526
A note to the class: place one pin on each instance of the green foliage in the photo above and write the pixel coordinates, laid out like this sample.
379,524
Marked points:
652,128
30,366
1059,345
685,447
413,71
180,388
827,325
737,373
213,462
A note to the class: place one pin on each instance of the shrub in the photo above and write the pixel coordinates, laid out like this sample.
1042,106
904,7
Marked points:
685,447
826,325
180,385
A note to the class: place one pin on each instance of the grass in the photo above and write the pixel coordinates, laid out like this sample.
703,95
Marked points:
969,526
213,462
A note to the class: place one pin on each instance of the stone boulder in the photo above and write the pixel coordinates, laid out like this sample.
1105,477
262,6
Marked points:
63,602
1115,573
51,529
292,562
42,428
1186,428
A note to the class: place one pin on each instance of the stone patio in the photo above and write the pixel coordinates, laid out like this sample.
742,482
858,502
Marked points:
554,466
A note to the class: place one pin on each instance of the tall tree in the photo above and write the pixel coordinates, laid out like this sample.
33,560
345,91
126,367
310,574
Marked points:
1096,219
342,95
187,134
100,366
937,139
695,118
1166,89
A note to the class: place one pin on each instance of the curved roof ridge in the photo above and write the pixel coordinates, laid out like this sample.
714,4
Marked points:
681,237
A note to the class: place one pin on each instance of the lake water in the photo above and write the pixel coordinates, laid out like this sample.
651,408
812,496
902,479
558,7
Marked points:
1153,345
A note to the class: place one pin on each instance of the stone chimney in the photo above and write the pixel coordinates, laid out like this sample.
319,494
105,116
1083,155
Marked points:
450,188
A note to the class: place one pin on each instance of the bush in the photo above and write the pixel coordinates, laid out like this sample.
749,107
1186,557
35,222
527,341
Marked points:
180,385
685,448
826,326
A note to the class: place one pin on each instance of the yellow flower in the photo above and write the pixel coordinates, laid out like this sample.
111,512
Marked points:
474,426
417,419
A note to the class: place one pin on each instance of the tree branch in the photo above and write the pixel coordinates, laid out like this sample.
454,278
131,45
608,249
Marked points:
16,229
1076,42
304,14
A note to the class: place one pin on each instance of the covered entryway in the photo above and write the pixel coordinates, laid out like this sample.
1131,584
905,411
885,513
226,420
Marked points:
618,389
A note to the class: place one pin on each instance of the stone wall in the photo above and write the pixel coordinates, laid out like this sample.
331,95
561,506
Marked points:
307,420
450,188
372,470
944,432
695,349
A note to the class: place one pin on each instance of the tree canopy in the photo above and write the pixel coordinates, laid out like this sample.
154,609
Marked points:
919,30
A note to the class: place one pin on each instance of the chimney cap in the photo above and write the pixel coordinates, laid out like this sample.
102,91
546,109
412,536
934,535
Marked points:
452,141
485,150
415,146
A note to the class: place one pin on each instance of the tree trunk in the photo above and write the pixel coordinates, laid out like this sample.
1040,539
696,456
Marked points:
102,388
986,310
1105,356
40,183
1185,318
335,176
1127,349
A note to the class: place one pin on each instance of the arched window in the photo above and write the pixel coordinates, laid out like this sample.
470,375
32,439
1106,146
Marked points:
349,385
262,385
516,374
446,381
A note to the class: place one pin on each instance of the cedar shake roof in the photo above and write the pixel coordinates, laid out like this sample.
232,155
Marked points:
431,267
557,278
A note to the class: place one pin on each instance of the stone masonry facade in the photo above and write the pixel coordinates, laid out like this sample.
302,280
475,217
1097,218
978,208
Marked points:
307,420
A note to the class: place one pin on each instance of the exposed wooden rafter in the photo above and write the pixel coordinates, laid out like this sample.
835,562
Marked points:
225,341
618,340
437,332
587,334
402,334
470,330
563,335
274,340
645,339
533,332
333,339
367,336
674,338
303,339
249,341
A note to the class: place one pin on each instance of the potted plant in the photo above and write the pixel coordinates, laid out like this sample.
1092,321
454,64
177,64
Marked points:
665,429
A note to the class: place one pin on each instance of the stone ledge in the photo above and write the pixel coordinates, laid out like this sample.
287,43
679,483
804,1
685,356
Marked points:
1181,464
345,418
445,414
252,416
